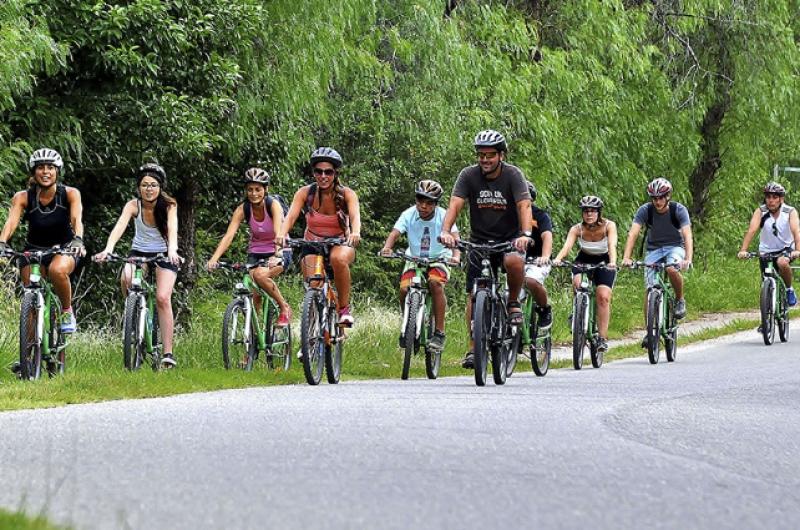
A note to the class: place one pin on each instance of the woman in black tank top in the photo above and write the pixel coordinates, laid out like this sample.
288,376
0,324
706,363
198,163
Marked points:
53,212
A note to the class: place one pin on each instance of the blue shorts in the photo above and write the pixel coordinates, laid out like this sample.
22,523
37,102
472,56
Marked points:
661,255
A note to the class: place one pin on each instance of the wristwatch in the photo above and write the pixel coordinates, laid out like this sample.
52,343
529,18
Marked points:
527,233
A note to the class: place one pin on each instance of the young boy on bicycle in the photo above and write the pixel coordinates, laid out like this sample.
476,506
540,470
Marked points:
422,223
780,232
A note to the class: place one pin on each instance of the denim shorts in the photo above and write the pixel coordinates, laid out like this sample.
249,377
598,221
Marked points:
661,255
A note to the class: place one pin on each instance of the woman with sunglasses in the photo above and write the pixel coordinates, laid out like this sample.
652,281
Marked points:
597,240
331,210
155,216
780,232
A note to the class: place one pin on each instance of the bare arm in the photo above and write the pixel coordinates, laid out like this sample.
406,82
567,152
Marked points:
633,234
447,237
172,234
18,205
755,226
354,211
128,212
227,239
572,236
75,210
612,243
295,209
525,225
794,225
391,239
277,219
688,243
547,245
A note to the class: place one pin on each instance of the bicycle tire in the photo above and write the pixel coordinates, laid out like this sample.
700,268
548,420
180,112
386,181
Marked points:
433,358
280,356
410,333
156,338
235,346
30,347
540,352
481,332
312,343
767,311
500,346
653,326
514,350
57,343
333,350
671,345
579,329
131,346
596,355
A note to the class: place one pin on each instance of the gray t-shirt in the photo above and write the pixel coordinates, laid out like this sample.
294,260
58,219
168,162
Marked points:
492,203
663,233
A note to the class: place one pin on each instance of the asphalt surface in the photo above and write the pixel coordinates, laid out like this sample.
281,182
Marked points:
711,441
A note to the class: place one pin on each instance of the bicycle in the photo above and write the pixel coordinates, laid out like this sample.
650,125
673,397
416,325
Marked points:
245,333
538,342
774,309
661,321
140,336
321,337
584,317
491,332
418,319
40,337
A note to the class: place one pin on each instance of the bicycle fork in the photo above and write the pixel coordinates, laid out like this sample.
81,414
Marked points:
417,293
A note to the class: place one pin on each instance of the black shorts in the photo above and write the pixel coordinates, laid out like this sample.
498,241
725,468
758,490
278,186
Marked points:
474,267
605,277
762,263
255,257
161,263
24,262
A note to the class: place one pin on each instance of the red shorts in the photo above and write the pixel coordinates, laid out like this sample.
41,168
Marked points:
437,273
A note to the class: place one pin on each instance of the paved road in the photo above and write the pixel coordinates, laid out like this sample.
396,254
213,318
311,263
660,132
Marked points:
710,441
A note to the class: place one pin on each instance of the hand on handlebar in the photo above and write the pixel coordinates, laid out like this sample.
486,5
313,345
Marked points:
386,252
542,261
627,262
448,239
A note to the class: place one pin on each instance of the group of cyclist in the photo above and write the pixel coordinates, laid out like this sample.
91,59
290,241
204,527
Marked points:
501,208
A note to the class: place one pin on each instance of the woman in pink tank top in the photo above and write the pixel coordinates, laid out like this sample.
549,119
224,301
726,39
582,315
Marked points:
331,210
264,217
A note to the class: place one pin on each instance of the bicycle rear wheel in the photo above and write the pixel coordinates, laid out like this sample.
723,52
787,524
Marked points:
132,347
312,343
579,314
30,346
768,310
236,347
333,350
433,358
481,333
501,335
57,364
279,350
653,325
514,350
410,333
783,323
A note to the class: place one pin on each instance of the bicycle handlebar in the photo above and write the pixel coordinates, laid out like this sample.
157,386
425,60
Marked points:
37,255
769,255
654,266
133,260
584,267
322,243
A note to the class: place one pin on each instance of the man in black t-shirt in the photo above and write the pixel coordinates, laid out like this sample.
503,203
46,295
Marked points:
499,210
540,249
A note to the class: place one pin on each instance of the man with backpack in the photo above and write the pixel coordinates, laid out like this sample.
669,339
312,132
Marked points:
668,237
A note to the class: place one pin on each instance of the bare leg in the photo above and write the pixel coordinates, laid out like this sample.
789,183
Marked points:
165,282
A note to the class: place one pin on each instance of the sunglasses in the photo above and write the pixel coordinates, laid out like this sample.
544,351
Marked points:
774,229
326,172
487,156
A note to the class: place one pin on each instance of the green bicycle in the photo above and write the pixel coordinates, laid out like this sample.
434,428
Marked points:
246,332
40,337
538,342
774,309
584,317
661,321
140,336
418,319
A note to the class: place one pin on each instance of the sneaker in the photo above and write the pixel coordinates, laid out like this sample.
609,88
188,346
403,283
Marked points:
168,361
345,318
68,323
16,367
402,341
791,298
602,345
680,309
300,354
469,361
545,317
644,342
437,341
284,318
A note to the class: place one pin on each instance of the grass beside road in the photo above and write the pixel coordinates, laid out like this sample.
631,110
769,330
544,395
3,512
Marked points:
21,521
95,370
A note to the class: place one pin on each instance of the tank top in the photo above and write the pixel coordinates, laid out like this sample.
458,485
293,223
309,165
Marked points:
262,233
320,225
594,248
775,232
48,225
147,238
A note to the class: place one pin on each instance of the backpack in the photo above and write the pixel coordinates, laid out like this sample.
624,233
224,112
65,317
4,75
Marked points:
673,217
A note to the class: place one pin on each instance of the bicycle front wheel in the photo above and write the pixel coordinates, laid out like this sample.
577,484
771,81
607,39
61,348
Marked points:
768,310
279,351
514,350
30,344
433,358
333,350
410,333
236,346
783,323
653,325
132,345
57,365
312,342
539,348
501,342
579,314
481,333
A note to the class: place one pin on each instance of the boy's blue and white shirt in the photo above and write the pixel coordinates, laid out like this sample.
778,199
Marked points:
411,224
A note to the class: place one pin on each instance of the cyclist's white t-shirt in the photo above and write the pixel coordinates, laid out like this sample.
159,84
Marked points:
417,229
776,234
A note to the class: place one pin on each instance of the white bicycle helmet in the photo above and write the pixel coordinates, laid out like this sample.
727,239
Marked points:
591,201
327,154
659,187
430,189
256,174
45,156
490,138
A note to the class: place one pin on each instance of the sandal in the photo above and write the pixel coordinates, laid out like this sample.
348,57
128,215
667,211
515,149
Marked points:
514,313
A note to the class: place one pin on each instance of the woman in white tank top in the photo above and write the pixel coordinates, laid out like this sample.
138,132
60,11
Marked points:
597,238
